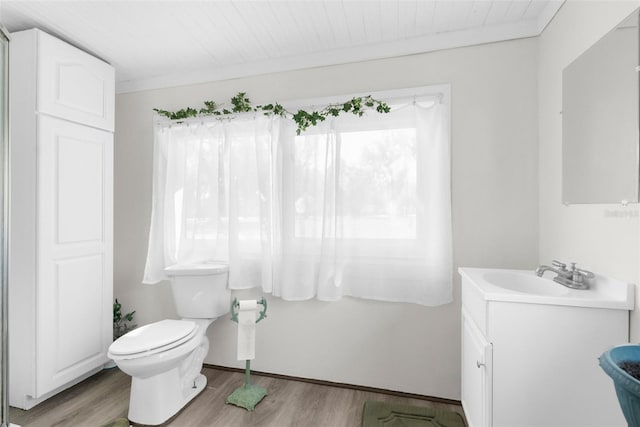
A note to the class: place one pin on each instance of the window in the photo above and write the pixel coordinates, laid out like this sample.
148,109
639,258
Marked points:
356,206
376,184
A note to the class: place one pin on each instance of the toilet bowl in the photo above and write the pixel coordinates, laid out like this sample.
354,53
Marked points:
164,359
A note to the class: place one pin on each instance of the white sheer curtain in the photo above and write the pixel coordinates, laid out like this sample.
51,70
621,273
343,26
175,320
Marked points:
212,197
357,206
367,208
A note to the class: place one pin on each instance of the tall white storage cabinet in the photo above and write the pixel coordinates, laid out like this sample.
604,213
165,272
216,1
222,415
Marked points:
60,269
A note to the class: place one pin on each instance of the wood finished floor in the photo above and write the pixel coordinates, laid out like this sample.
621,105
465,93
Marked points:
105,396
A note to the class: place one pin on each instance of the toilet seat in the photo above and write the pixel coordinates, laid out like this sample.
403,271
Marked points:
153,338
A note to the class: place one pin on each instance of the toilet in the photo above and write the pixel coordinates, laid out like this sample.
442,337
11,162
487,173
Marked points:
164,359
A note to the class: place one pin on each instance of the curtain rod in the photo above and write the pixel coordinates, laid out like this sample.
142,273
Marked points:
440,91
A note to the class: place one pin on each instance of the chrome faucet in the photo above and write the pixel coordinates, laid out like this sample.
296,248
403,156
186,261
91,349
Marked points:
571,277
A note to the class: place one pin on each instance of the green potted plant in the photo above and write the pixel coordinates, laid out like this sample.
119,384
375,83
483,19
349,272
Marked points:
121,323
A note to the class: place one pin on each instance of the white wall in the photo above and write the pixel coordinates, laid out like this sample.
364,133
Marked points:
402,347
602,238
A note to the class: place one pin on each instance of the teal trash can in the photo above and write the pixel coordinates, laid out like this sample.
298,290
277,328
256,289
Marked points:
627,387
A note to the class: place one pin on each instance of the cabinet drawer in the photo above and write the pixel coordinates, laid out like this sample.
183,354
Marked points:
74,85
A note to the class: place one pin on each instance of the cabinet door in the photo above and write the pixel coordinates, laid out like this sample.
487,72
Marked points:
476,375
74,251
74,85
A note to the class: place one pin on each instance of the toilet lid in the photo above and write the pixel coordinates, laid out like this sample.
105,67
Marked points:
165,333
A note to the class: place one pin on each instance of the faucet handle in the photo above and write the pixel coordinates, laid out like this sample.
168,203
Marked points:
586,273
559,264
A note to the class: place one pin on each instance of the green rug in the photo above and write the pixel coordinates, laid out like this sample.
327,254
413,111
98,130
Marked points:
118,422
382,414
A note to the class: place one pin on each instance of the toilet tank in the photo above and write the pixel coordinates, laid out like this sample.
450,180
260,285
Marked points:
200,290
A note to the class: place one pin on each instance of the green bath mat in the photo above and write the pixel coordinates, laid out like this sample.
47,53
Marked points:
118,422
382,414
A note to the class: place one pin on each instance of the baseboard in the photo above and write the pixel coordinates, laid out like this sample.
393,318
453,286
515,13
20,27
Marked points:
341,385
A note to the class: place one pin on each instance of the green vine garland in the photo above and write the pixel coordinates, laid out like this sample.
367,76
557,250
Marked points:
303,119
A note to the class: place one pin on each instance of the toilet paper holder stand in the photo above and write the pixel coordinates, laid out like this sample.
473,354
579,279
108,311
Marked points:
248,395
235,305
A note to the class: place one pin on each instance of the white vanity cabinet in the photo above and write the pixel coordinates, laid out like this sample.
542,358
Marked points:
532,359
61,244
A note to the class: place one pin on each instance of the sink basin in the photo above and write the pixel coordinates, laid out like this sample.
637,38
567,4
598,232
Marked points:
526,283
523,286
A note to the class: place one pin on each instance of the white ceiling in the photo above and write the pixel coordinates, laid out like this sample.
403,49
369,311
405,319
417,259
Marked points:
156,44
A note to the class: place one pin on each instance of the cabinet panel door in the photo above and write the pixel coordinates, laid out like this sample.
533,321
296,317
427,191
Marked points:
476,374
74,254
73,84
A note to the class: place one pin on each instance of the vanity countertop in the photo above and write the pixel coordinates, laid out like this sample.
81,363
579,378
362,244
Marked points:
525,287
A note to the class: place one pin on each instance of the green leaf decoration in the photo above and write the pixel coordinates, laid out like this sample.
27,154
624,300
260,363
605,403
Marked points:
303,119
241,103
121,323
